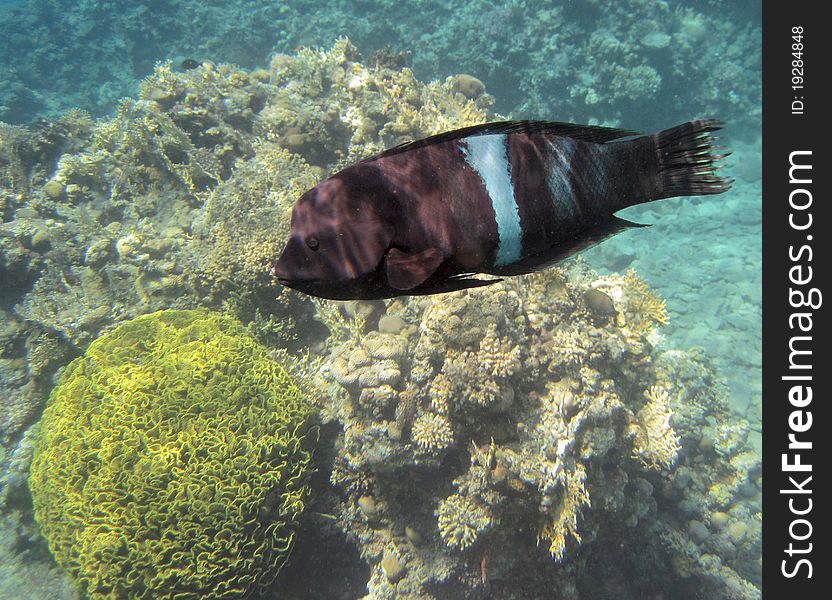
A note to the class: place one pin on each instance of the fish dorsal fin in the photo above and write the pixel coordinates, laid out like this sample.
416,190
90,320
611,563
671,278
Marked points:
406,271
586,133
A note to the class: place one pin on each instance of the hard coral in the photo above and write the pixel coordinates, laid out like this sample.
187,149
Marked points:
564,521
656,443
245,220
432,433
545,390
646,307
172,461
335,110
461,520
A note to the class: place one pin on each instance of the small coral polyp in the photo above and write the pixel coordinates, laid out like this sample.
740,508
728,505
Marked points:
172,461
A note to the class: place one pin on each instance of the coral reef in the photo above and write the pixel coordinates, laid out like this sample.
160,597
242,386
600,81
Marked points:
323,111
536,417
461,519
432,433
657,445
535,426
575,61
183,196
26,570
181,199
173,460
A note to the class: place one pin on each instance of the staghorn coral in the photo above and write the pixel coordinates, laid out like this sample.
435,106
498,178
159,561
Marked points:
173,460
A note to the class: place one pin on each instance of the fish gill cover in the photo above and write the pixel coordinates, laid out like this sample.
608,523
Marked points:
601,436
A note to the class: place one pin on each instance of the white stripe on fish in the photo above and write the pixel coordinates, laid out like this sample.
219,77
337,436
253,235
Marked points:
488,156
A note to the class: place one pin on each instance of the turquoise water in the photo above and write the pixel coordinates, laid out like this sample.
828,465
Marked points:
176,197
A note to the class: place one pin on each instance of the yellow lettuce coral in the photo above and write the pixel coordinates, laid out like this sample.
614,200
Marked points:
172,461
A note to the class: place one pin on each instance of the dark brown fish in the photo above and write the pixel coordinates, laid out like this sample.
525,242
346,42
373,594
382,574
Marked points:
501,198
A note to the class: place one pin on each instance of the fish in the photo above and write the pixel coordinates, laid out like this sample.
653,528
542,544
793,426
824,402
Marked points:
189,64
498,199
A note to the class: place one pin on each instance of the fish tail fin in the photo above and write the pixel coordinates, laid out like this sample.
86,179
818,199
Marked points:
687,160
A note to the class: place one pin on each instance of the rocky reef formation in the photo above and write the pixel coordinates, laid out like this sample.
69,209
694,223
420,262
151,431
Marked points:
531,435
177,201
525,437
182,198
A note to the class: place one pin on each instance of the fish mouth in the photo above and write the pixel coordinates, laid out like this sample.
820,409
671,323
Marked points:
293,282
349,289
300,284
314,287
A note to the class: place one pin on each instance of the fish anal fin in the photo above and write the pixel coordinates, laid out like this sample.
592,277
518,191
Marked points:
595,234
405,270
453,284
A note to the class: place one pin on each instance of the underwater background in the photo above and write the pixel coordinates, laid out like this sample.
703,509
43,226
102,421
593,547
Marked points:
519,441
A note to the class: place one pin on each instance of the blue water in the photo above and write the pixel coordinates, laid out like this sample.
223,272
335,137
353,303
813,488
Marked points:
638,64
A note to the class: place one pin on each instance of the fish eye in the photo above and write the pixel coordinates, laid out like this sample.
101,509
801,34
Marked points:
312,243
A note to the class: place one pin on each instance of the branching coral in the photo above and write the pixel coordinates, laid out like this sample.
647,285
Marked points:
461,521
563,522
498,356
645,307
244,222
539,390
657,444
432,433
336,110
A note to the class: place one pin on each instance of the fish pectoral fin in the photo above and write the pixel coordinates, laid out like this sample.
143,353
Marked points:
406,271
